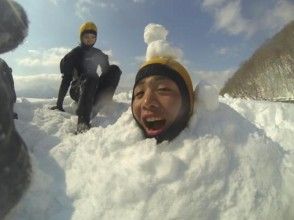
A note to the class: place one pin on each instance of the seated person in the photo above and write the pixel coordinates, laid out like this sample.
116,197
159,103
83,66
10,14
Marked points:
163,98
89,88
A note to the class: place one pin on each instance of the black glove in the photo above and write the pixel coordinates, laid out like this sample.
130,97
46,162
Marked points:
60,108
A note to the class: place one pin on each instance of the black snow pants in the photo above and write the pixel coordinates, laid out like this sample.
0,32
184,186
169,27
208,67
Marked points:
94,90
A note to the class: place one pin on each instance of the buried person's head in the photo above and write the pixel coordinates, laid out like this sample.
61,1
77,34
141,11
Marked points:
163,98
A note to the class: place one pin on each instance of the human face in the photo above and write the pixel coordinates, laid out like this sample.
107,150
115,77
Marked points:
156,104
88,39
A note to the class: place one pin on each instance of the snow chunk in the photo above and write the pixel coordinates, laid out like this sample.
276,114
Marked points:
155,37
206,95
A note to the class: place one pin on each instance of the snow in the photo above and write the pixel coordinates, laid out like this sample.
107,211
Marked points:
235,161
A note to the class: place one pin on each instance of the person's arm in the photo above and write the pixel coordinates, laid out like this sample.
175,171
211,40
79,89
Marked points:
66,68
12,84
15,115
65,83
105,63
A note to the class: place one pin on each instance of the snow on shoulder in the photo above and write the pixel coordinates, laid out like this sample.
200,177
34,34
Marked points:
223,166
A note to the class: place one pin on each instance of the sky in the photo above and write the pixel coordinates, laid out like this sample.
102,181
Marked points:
213,36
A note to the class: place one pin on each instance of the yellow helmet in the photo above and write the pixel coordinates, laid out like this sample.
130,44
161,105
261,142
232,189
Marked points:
88,27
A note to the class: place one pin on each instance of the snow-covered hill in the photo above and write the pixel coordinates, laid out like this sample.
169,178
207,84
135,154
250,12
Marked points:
235,161
269,73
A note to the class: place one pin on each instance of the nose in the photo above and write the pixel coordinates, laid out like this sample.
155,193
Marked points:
149,100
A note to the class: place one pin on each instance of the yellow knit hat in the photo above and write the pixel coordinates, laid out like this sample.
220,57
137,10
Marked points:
89,27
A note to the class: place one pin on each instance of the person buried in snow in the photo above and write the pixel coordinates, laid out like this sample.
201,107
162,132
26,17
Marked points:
163,98
15,165
92,79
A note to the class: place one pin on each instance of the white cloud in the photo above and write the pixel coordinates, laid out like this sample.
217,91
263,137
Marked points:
34,52
230,19
155,37
230,16
138,1
37,86
29,61
228,51
83,6
216,78
49,57
111,58
56,2
212,3
281,14
223,51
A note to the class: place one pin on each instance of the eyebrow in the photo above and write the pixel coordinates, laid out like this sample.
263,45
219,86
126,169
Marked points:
156,78
159,78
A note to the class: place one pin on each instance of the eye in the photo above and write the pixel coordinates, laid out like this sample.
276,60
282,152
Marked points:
164,89
139,94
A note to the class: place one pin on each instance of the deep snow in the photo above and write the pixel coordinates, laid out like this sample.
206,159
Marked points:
235,161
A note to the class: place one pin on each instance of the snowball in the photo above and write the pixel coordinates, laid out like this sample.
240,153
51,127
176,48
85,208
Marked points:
162,48
206,95
154,32
157,45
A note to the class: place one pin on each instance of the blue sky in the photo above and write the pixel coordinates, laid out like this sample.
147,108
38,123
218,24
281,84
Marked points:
215,36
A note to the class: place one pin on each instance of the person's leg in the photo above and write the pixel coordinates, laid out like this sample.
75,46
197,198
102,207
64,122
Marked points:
108,83
74,91
88,90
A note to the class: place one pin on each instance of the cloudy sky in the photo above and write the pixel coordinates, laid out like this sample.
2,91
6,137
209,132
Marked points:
213,36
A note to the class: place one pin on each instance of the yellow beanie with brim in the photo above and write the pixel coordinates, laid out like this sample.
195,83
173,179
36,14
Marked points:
88,27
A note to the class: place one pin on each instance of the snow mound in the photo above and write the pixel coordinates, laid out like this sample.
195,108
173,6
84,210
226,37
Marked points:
229,164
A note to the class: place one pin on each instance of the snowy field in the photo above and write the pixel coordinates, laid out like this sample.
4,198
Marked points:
235,161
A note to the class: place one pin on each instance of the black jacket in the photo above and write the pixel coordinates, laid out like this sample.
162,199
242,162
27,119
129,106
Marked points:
80,63
15,167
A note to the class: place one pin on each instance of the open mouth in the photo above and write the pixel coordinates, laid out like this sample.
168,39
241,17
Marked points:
154,125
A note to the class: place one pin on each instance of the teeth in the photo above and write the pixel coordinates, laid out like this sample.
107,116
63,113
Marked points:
153,119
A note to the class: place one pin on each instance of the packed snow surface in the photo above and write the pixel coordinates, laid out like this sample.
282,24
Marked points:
235,161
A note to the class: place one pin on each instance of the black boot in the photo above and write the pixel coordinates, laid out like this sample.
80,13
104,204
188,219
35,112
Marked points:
83,124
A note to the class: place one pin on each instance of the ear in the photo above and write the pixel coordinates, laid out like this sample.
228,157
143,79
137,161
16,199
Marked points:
13,25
